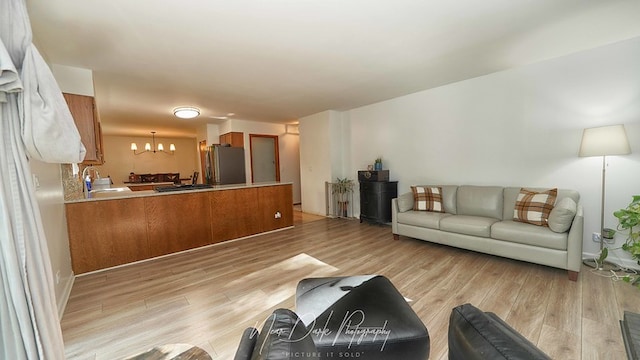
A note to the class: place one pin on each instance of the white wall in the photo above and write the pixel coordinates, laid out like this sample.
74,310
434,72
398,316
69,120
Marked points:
324,156
50,193
50,197
73,80
518,127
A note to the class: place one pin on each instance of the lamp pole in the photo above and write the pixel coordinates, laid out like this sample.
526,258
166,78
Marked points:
604,157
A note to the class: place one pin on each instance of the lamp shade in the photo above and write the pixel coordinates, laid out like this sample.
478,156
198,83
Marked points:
605,140
134,147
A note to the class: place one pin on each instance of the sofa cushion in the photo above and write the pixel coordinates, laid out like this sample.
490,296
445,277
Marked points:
282,336
484,201
426,219
529,234
449,195
469,225
511,193
562,215
405,202
426,198
534,207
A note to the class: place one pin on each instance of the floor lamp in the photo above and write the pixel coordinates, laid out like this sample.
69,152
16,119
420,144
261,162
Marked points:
603,141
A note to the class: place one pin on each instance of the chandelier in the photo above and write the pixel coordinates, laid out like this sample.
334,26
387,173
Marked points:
149,148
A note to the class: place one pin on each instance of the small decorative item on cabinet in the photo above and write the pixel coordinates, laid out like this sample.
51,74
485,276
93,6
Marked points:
378,164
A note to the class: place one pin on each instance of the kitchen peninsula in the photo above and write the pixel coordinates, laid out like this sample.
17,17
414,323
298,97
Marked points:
125,227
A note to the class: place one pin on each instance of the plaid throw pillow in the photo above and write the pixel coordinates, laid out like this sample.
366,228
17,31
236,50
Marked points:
534,207
427,198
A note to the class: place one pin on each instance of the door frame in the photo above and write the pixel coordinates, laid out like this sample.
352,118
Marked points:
202,148
276,152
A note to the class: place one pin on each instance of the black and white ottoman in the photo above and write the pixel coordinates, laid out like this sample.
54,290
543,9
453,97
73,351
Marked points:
360,317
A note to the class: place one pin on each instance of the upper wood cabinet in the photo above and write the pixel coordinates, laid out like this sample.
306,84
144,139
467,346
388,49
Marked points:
84,114
235,139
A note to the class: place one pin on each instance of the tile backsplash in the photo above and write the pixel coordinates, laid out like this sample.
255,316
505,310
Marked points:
72,185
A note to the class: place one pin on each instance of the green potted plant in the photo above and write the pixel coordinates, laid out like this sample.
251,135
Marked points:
342,188
629,219
377,165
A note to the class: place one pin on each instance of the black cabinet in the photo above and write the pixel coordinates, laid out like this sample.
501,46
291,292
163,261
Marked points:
375,200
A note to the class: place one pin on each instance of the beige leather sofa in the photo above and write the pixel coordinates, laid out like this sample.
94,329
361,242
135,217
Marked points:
480,218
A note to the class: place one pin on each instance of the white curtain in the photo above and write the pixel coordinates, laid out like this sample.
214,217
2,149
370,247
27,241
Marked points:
34,123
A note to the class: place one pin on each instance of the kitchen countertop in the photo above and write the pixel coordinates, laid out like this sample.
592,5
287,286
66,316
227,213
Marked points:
126,193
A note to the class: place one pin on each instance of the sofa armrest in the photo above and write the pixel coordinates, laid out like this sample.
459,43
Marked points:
394,215
575,240
247,343
404,202
476,335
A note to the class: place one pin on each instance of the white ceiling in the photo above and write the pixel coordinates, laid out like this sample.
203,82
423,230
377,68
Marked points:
280,60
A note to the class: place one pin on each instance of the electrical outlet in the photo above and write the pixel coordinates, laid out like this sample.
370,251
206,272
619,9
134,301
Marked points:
277,215
596,237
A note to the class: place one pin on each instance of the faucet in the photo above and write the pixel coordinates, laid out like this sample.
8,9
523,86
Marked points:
85,173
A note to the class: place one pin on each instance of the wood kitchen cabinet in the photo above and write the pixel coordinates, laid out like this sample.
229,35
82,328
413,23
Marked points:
83,110
235,139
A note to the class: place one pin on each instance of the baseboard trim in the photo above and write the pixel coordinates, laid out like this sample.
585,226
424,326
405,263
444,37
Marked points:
66,293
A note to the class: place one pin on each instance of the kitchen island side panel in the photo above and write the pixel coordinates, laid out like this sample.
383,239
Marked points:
178,222
233,213
105,233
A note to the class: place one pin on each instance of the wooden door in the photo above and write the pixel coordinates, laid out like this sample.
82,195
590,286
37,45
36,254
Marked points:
265,158
202,149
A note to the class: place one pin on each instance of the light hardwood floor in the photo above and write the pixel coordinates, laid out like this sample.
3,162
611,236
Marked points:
209,296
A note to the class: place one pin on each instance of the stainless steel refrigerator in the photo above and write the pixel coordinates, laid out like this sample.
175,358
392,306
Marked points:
224,165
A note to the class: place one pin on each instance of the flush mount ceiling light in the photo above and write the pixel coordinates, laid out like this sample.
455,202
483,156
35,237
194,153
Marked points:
186,112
